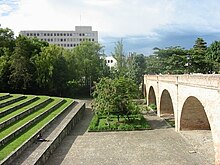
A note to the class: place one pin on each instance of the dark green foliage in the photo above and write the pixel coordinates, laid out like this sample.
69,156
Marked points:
114,96
197,57
28,65
171,60
136,122
213,57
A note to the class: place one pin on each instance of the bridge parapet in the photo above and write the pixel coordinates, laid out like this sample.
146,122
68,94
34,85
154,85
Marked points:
203,80
212,81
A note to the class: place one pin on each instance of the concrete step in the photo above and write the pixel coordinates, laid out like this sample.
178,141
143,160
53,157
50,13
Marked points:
40,152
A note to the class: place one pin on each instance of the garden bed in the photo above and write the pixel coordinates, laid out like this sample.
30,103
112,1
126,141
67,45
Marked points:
135,122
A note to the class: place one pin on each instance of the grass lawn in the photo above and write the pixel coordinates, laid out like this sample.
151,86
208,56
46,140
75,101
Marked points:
136,122
20,139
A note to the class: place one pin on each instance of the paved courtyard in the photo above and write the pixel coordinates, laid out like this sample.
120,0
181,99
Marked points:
160,146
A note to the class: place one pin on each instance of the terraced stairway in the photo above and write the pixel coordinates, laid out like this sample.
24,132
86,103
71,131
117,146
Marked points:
22,118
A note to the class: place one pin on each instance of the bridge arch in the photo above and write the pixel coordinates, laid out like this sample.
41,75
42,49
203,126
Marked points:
152,96
193,116
166,104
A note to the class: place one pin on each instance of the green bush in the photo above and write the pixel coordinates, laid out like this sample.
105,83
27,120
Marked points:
135,122
153,106
94,123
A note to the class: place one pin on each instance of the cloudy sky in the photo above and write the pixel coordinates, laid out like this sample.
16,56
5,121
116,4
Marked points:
141,24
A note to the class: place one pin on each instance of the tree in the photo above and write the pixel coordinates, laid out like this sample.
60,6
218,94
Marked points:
170,60
213,57
7,40
88,64
197,57
120,58
51,70
136,67
114,97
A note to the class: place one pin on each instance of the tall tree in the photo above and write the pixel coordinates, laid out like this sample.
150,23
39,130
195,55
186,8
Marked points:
136,67
51,70
213,57
7,40
171,60
197,57
120,57
88,61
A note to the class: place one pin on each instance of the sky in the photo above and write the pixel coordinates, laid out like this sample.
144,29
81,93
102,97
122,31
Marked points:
140,24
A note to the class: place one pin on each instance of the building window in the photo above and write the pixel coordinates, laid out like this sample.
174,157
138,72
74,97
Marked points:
64,45
45,34
80,39
71,45
27,34
58,44
93,39
70,34
68,45
51,34
54,34
30,34
48,34
64,39
67,34
51,39
48,40
61,34
57,34
61,44
38,34
61,40
34,34
64,34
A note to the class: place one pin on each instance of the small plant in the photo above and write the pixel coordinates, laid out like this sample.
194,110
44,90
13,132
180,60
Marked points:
153,106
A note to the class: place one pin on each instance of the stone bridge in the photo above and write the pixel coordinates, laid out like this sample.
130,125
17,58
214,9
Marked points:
193,100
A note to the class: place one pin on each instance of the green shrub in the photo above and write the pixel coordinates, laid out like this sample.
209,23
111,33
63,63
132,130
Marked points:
94,123
153,106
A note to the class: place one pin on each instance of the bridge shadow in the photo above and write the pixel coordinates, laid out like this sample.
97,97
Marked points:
155,121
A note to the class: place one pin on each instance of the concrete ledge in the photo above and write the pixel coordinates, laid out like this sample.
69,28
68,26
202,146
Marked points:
6,103
9,160
44,150
24,113
7,95
9,110
29,123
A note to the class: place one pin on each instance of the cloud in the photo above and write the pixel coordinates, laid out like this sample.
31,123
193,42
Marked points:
143,24
8,6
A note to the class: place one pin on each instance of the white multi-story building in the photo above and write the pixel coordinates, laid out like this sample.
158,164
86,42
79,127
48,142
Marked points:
66,39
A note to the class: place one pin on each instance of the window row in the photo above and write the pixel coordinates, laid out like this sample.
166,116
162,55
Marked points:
60,34
68,45
109,61
67,39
